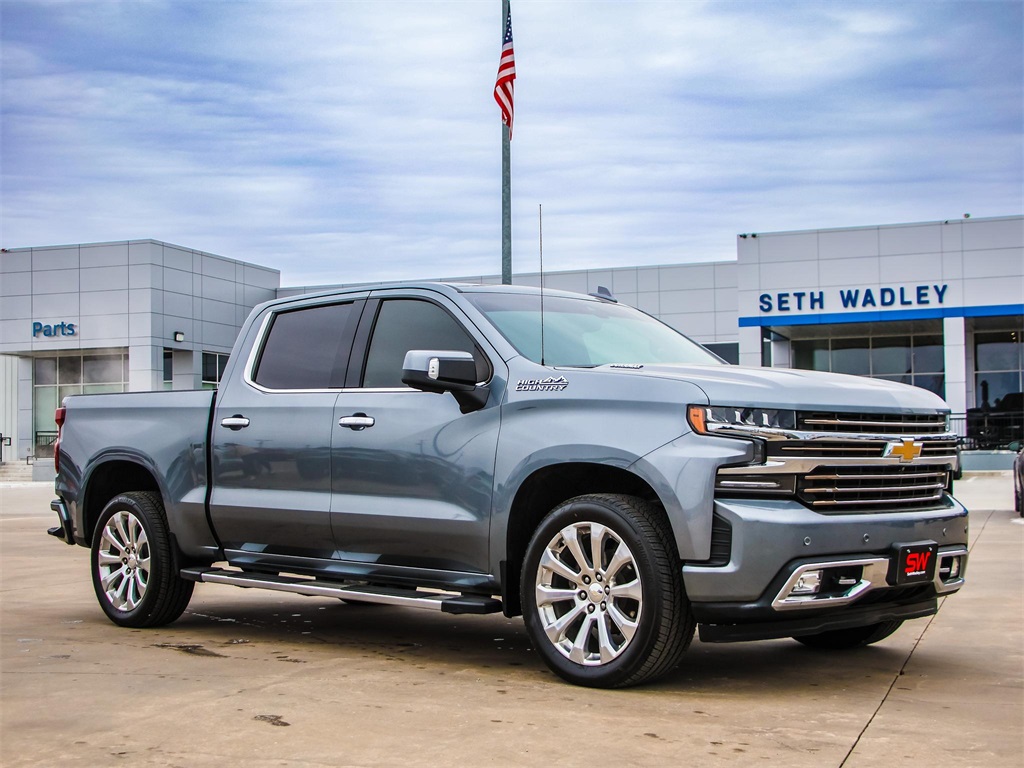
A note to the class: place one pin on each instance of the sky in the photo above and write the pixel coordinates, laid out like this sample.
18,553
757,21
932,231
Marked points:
354,141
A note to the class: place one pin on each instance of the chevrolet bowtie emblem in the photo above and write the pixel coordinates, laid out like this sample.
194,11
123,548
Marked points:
907,450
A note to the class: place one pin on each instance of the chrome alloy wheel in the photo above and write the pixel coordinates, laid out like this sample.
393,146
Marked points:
588,593
123,560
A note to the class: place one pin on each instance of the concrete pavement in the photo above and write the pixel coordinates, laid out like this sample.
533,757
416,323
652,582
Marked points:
267,679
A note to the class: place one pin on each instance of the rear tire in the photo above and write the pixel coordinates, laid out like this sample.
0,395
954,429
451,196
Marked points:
135,565
855,637
602,592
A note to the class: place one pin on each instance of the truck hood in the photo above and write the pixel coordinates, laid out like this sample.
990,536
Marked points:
795,389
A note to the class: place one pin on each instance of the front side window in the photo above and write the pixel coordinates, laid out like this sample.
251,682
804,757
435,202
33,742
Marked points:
306,348
585,333
406,324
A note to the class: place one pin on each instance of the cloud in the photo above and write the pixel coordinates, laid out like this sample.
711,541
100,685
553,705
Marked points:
340,141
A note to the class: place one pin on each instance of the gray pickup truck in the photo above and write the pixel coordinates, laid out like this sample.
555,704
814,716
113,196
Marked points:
474,449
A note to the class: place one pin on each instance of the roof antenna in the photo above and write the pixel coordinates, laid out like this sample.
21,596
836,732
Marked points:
540,223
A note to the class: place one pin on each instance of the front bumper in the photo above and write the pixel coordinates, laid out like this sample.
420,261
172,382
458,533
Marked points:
754,590
897,610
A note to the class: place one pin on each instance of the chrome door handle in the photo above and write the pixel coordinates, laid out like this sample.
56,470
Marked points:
356,421
236,422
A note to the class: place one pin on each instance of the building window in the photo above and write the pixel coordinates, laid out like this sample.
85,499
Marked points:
916,359
214,364
728,351
168,369
999,365
997,421
54,378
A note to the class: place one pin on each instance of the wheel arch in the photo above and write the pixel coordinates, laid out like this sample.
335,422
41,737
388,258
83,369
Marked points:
545,489
108,479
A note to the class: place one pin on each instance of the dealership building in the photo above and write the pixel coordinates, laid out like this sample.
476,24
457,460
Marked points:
938,305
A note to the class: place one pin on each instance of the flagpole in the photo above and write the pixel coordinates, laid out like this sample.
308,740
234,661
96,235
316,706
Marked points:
506,187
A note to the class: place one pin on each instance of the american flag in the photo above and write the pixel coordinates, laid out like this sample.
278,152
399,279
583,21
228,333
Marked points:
504,88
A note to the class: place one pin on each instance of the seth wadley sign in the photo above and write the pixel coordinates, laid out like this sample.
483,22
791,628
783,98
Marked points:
853,298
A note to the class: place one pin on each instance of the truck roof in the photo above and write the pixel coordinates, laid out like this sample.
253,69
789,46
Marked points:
448,288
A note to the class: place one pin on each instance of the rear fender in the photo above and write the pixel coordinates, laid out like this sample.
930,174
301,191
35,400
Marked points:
116,471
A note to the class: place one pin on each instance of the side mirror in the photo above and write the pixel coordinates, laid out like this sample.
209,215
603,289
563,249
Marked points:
446,371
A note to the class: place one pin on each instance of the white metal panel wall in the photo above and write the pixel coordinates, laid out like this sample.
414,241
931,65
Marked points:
9,403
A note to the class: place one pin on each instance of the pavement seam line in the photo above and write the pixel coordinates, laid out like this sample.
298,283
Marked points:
906,661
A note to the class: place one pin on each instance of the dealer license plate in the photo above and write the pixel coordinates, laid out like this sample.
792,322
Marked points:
913,563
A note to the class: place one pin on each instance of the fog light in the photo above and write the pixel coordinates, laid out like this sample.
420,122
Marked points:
949,568
808,584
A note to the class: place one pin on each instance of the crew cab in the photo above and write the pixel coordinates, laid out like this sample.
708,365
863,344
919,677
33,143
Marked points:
475,449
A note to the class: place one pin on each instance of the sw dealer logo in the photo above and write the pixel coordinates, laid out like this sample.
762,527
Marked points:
916,564
913,563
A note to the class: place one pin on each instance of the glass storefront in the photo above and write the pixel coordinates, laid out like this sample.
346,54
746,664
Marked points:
54,378
914,354
915,359
999,366
997,420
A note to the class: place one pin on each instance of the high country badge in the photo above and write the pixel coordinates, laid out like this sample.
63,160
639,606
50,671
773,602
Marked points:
550,384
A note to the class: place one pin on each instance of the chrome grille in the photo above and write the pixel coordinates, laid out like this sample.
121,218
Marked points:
872,423
939,448
852,448
851,489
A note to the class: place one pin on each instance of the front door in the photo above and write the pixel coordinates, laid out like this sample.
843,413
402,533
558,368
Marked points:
412,474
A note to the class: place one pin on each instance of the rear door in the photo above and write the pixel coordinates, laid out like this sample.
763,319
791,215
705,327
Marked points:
271,435
412,474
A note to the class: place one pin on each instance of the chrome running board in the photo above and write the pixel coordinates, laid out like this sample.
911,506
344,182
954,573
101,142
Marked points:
446,602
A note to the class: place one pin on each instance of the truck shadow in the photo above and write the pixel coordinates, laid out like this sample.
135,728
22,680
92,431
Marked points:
314,630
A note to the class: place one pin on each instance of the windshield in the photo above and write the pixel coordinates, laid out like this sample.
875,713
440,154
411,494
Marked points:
580,332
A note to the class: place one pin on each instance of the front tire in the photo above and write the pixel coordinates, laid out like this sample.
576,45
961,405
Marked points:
134,563
602,592
855,637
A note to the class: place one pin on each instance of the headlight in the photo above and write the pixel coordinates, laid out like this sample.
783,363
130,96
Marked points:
737,421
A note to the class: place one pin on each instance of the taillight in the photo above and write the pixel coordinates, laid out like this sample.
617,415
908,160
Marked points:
58,416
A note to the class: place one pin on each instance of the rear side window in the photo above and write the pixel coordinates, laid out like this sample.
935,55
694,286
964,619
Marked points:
306,348
406,324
